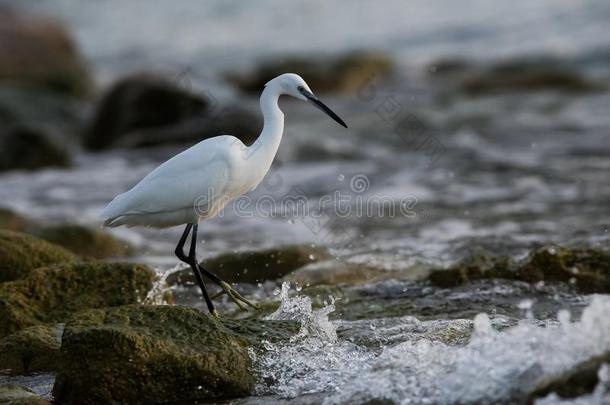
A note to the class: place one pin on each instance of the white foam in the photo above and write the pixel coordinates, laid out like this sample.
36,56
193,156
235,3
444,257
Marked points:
493,367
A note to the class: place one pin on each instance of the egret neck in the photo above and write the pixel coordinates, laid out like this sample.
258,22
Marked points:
263,150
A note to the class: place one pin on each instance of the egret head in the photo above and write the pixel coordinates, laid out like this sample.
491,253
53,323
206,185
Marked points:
293,85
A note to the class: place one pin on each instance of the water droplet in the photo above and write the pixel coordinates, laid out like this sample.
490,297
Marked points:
311,257
341,177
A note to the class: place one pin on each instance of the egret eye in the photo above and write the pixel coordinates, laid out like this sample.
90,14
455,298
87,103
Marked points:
300,88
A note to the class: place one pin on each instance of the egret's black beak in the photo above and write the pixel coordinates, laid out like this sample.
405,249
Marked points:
323,107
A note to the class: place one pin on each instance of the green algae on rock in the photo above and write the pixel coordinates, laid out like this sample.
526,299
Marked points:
52,294
257,265
587,270
33,349
144,354
85,241
21,253
14,395
473,268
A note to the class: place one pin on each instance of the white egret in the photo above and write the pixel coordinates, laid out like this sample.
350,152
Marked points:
198,182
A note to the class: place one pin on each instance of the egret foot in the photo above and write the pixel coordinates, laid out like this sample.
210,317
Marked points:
236,297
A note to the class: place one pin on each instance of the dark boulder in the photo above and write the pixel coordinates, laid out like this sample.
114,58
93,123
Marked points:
30,148
138,103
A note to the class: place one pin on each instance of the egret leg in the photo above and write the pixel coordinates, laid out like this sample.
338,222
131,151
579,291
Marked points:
236,297
191,260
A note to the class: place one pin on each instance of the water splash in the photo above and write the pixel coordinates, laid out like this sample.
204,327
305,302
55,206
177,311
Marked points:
314,360
160,291
493,367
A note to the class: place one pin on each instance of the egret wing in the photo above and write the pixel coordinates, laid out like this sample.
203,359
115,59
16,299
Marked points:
196,178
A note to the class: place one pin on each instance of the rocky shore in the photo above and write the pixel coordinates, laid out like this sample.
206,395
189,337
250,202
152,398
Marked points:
60,310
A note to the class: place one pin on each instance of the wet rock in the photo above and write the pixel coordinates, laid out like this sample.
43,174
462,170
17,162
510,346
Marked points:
52,294
346,73
579,380
140,102
255,266
20,254
528,75
238,122
333,272
586,270
31,148
145,354
14,395
473,268
56,114
38,52
515,75
85,241
12,221
33,349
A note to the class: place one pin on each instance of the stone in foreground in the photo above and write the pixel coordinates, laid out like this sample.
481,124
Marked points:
33,349
146,354
53,294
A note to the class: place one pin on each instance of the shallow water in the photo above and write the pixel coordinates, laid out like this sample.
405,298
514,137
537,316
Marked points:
413,366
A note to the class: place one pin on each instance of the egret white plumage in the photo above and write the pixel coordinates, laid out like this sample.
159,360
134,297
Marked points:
197,183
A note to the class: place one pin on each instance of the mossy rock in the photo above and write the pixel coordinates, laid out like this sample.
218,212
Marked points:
14,395
347,73
85,241
33,349
151,354
473,268
586,270
52,294
21,253
255,266
333,272
12,221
